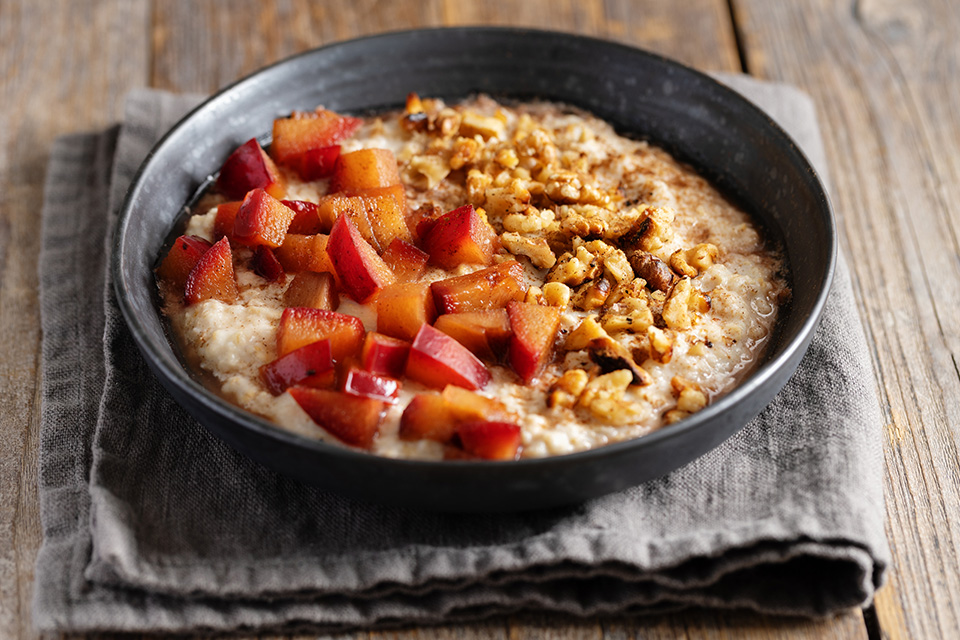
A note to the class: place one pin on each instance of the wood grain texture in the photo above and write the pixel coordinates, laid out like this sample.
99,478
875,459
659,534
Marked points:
884,75
63,67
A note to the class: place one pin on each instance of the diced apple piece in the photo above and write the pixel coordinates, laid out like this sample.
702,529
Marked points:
301,326
365,169
428,416
301,132
180,261
437,360
313,290
437,417
490,440
266,265
460,237
248,168
467,406
352,419
403,307
422,219
362,272
358,382
307,220
534,332
316,164
485,333
379,214
490,288
304,253
384,355
262,219
309,366
212,276
226,217
405,260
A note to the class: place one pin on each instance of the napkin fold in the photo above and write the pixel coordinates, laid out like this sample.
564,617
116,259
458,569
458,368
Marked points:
152,524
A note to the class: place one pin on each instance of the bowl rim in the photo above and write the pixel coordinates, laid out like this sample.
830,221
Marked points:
180,377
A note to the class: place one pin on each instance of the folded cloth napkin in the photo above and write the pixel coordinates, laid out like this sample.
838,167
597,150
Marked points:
152,524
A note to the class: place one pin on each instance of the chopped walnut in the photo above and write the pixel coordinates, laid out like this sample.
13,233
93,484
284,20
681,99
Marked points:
573,269
583,221
428,170
556,294
538,147
591,295
477,183
652,230
689,398
603,397
513,197
674,415
530,220
447,123
616,265
536,249
685,302
654,270
661,345
691,262
464,151
586,332
534,295
473,124
567,389
507,158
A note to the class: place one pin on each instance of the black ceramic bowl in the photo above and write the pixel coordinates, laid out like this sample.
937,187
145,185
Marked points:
643,95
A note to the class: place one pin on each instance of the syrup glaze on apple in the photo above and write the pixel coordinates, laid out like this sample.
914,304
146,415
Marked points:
545,285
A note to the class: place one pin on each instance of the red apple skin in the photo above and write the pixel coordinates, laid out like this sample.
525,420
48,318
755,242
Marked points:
307,220
212,276
362,272
309,366
437,360
180,261
300,326
365,169
266,265
303,131
353,419
362,383
428,416
534,333
384,355
262,219
490,288
316,164
490,440
460,237
248,168
405,260
314,290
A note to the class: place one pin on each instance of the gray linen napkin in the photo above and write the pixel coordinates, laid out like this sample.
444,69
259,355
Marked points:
152,524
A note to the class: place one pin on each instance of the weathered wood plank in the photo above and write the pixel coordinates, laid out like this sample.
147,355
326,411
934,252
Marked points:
884,76
204,45
63,67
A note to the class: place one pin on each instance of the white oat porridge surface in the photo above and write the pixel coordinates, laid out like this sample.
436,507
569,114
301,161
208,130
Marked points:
668,293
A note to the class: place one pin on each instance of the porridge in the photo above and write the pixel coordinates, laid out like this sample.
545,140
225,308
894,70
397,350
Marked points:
478,280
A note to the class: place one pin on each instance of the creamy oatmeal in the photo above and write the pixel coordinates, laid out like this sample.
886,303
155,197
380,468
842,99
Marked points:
592,287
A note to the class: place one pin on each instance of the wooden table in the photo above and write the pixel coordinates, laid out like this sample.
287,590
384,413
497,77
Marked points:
885,76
